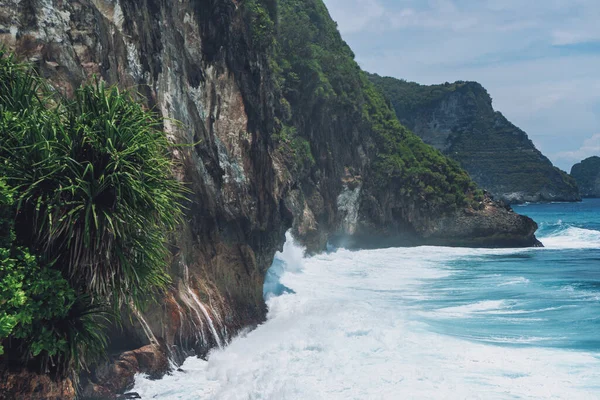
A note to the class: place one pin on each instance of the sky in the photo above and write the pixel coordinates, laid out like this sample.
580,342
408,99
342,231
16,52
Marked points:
538,59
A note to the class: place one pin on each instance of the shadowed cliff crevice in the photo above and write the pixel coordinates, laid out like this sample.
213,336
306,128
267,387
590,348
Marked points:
321,154
459,120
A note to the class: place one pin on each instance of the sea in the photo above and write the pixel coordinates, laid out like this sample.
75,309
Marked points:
420,323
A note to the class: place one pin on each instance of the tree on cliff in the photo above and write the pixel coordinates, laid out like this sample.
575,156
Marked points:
87,201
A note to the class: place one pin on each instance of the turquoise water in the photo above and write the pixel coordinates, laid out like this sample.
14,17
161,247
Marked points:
420,323
538,297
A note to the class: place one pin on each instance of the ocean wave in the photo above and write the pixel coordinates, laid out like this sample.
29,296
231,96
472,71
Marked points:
572,238
487,308
517,281
467,310
516,340
351,330
534,311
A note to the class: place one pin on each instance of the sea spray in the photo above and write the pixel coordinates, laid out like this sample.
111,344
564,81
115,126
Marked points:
426,322
187,298
571,237
291,259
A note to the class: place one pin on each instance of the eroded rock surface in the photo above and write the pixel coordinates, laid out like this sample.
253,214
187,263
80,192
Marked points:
587,175
193,62
26,385
459,120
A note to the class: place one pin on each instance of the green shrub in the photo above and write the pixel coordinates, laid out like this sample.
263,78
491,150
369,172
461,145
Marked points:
93,183
260,22
89,190
329,93
39,310
41,314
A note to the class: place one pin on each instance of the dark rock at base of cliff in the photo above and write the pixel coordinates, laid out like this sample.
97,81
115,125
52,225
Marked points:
118,375
128,396
492,227
26,385
495,225
538,197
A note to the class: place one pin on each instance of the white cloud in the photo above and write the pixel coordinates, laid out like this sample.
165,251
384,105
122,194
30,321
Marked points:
355,15
558,22
590,147
563,37
528,54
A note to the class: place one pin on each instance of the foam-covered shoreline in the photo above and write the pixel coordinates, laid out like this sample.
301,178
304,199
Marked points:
357,326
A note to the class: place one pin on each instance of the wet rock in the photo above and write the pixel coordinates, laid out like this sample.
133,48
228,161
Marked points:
118,375
128,396
26,385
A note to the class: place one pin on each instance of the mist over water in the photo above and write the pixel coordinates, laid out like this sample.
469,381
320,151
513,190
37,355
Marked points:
425,322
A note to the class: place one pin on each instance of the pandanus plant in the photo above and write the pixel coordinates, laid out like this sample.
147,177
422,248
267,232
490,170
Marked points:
95,197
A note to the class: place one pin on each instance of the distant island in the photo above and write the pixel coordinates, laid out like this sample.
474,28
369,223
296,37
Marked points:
459,120
587,175
142,210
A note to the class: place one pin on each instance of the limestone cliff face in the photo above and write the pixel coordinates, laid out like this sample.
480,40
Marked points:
195,63
459,120
587,175
191,61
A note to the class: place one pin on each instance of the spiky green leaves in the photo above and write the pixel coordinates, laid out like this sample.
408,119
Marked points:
116,201
40,312
94,184
94,199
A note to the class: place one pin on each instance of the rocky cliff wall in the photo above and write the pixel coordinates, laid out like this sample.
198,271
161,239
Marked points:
459,120
587,175
196,62
190,60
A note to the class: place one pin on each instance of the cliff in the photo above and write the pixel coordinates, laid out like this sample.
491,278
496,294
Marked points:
459,120
192,62
587,175
285,131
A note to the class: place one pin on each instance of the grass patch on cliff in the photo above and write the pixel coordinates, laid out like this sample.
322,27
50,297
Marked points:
324,90
496,153
260,16
296,146
90,201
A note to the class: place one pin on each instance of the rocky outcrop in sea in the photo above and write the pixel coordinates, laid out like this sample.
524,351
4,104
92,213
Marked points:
198,64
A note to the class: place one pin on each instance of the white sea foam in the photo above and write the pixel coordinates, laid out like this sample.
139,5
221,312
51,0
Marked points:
467,310
352,330
573,238
535,311
516,281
